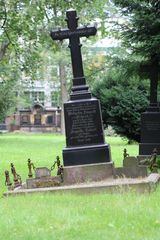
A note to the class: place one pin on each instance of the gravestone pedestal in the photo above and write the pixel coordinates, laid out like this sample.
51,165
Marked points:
88,173
84,133
150,133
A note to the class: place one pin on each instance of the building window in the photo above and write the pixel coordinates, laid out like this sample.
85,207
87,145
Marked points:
51,119
34,97
55,99
25,120
38,97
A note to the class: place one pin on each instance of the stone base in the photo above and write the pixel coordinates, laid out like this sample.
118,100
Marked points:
88,173
120,185
143,157
43,182
150,133
147,148
86,155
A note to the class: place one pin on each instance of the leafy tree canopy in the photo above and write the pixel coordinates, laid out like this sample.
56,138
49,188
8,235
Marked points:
140,30
24,32
123,91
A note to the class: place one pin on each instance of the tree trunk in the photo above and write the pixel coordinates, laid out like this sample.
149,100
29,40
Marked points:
3,49
64,93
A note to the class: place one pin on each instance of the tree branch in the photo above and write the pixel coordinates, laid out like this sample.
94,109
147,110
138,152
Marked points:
5,16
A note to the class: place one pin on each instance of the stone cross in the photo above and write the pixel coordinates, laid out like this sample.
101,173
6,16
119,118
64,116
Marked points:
153,71
74,33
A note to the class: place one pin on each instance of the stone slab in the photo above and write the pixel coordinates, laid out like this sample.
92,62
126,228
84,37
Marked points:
43,182
141,185
88,173
130,162
42,172
131,169
143,157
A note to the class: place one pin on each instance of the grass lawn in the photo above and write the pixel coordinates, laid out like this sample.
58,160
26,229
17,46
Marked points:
71,216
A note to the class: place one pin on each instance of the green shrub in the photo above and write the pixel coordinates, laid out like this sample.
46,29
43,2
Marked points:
123,98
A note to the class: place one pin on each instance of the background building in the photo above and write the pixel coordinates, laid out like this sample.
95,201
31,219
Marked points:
38,109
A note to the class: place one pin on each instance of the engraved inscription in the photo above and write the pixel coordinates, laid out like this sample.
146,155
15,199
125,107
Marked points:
85,127
65,33
152,125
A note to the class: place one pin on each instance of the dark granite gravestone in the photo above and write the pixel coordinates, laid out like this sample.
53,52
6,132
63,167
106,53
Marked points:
85,142
150,120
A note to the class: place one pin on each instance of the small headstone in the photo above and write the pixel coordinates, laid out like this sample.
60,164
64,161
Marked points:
131,169
130,162
42,172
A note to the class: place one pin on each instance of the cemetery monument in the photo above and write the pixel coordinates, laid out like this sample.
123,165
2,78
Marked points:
87,162
85,143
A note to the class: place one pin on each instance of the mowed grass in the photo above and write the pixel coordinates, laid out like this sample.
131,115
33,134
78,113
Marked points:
17,148
42,149
90,217
71,216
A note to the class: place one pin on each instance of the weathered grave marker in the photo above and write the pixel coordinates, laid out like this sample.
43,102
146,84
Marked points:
131,169
83,122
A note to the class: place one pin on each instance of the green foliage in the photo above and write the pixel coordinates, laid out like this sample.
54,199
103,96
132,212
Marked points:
140,30
123,92
81,216
123,98
25,27
7,99
158,162
24,34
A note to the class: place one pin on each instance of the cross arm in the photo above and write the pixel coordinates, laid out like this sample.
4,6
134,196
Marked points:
86,31
59,34
67,33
